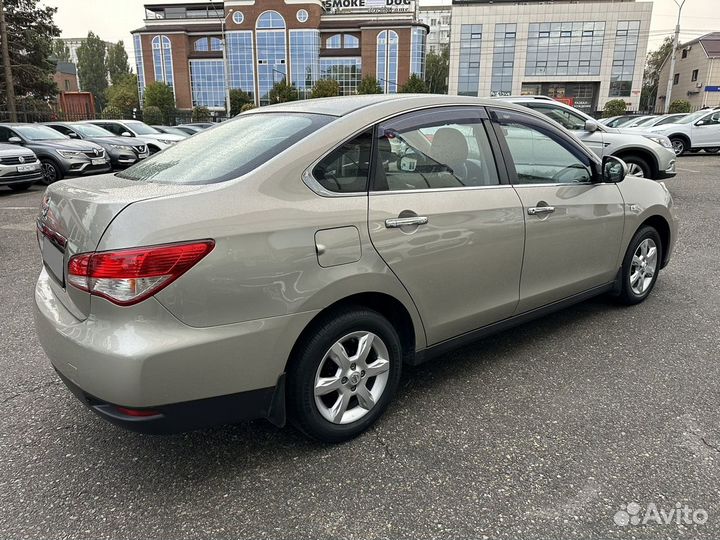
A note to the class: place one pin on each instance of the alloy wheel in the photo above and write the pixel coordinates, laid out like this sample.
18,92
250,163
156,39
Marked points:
636,170
50,173
643,266
351,377
678,146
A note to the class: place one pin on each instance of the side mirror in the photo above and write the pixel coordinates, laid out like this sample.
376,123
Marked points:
126,134
591,126
73,135
15,140
614,169
700,123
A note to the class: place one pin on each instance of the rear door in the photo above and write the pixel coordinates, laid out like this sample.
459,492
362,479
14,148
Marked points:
574,226
445,220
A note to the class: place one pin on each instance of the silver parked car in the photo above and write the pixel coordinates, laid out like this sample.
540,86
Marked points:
289,261
19,167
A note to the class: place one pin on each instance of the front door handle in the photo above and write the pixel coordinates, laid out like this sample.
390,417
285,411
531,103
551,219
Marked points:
394,223
535,210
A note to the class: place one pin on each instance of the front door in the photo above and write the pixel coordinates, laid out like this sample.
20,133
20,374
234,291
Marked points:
706,131
444,222
574,226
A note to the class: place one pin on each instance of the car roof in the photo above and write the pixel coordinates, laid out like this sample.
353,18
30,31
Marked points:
341,106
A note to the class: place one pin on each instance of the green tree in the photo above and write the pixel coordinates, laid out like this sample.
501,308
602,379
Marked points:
680,106
369,85
117,62
247,107
201,114
92,70
437,68
61,50
112,113
614,107
238,99
152,114
161,95
31,30
414,85
123,95
283,92
325,88
652,85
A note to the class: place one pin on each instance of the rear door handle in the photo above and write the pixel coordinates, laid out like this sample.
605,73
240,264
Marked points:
394,223
535,210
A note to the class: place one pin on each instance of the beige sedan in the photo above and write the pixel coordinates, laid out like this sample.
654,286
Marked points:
287,263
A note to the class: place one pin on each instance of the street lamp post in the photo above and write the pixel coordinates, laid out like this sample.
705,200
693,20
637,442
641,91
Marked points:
671,76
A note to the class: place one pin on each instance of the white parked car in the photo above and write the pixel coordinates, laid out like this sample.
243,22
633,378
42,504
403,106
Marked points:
697,131
154,139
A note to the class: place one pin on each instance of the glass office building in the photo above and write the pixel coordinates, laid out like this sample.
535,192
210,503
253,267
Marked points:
583,52
202,51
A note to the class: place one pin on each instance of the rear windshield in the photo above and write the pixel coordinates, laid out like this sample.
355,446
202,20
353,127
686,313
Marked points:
227,151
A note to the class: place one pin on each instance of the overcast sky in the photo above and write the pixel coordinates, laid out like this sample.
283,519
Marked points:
113,20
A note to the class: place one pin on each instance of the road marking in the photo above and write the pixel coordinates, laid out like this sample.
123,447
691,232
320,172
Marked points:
17,208
688,170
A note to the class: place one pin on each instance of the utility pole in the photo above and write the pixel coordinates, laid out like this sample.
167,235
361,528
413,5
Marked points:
9,84
671,77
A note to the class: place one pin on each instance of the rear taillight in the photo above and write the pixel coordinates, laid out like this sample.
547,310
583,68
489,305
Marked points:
129,276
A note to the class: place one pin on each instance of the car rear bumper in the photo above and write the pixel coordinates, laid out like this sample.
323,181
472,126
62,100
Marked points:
143,357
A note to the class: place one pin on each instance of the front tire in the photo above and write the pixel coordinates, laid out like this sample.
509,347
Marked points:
343,375
51,171
637,166
640,266
679,145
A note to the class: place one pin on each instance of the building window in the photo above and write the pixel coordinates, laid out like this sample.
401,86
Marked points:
568,48
162,60
216,44
387,60
207,83
350,41
241,62
503,60
271,55
139,66
684,53
67,85
304,59
694,76
417,53
346,71
271,20
238,17
469,68
302,15
676,78
334,42
623,65
201,44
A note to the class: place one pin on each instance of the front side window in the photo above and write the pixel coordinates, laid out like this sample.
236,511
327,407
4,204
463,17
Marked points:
434,150
346,169
540,156
228,150
39,133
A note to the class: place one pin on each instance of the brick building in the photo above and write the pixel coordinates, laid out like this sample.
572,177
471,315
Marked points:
193,47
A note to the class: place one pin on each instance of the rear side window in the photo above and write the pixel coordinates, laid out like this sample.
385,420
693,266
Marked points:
227,151
346,169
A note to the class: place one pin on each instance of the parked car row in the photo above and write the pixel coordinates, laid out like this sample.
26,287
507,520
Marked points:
48,152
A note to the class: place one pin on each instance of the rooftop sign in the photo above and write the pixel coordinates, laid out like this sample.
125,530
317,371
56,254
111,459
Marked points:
368,6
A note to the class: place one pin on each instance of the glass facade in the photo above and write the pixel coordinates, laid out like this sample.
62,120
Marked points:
623,67
387,61
271,55
417,52
503,62
568,48
346,71
207,83
139,66
470,45
304,59
162,60
241,61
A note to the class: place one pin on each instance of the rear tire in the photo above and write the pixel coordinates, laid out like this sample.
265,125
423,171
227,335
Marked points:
641,266
637,166
21,187
694,150
334,392
713,150
679,145
51,171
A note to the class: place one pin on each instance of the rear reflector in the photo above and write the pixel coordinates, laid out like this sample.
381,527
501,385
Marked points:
128,276
136,412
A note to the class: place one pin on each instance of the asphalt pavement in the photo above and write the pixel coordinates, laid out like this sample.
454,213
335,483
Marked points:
596,422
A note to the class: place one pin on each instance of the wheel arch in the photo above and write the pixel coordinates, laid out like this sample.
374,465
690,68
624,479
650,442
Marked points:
682,136
660,224
646,155
55,161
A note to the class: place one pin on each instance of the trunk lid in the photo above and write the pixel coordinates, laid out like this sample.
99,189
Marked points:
73,217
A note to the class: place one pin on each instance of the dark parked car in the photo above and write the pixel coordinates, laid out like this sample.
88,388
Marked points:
121,151
59,155
173,130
